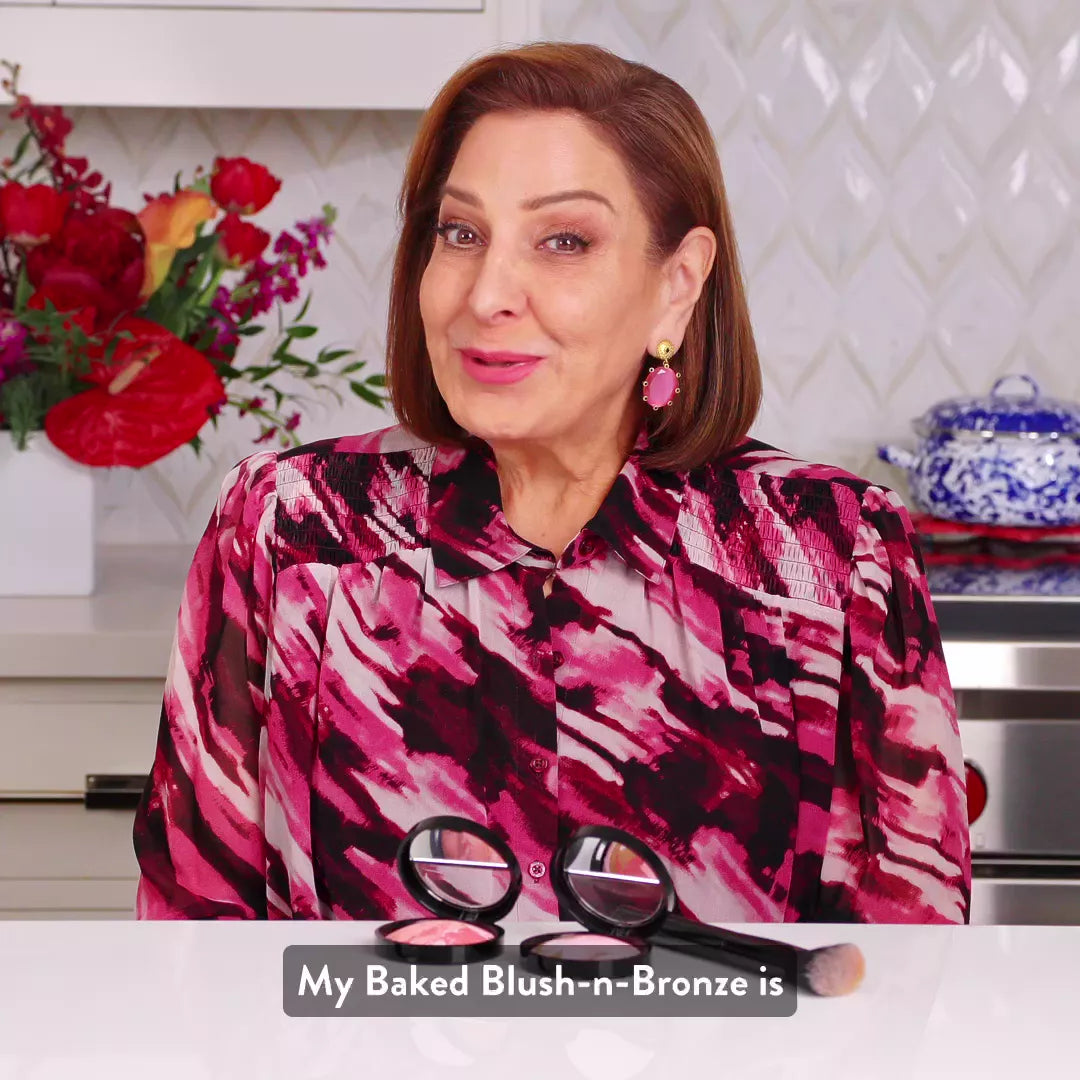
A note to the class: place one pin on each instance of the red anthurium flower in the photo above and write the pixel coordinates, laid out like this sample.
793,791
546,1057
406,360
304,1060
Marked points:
96,261
153,395
240,242
240,186
31,215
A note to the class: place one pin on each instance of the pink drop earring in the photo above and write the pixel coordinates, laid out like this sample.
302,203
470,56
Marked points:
662,383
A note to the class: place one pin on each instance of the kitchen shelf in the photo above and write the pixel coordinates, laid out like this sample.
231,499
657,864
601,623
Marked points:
286,54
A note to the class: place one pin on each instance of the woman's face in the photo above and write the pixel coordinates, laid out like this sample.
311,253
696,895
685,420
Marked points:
542,253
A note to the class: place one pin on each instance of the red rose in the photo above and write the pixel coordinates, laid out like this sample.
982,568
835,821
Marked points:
240,186
31,215
97,261
240,242
154,395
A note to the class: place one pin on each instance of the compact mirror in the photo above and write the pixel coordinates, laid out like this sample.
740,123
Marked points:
459,869
612,882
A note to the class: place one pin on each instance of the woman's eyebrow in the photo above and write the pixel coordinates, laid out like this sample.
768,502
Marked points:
534,203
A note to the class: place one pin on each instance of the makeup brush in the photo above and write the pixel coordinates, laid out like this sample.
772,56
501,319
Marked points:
830,971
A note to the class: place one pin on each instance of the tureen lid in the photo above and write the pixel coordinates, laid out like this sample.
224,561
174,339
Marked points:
1021,410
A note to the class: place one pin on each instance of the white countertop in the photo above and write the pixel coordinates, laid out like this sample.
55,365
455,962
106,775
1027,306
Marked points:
194,1001
123,631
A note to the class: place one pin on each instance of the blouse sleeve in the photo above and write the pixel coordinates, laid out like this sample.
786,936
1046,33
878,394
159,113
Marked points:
897,849
198,831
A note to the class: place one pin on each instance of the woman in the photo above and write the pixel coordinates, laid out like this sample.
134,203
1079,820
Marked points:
568,589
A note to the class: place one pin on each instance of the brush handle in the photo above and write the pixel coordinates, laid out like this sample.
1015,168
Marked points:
728,940
708,950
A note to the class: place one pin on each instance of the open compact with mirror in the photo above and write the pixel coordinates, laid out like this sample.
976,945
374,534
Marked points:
619,889
608,882
468,878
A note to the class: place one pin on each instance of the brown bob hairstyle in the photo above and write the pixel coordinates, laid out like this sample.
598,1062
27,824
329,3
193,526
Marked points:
670,156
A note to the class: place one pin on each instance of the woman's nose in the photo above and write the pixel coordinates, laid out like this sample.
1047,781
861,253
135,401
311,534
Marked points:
498,287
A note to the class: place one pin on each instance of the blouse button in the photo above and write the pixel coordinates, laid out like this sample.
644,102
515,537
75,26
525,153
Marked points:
557,659
538,764
537,869
589,546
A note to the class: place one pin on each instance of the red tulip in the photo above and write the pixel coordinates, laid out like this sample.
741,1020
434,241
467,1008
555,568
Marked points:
152,396
31,215
240,242
240,186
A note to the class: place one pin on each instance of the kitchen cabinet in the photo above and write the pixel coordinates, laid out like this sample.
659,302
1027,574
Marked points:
250,54
81,681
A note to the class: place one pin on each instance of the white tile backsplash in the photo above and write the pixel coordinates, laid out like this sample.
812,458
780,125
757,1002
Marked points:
904,174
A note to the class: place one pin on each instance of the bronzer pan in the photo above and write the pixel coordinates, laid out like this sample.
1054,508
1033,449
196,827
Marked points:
468,878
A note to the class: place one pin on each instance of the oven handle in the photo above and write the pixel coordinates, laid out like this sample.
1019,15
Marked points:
1033,868
114,791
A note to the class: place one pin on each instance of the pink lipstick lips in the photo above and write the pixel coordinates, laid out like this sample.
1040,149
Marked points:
498,368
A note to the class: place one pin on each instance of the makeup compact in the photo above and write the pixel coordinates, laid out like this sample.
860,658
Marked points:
619,889
468,878
612,884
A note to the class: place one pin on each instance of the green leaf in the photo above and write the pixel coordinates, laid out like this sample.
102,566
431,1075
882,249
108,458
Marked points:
328,356
361,391
20,149
350,368
303,310
376,380
250,330
301,331
23,289
254,374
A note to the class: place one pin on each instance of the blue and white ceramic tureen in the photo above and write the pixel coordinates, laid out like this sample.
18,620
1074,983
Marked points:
1012,458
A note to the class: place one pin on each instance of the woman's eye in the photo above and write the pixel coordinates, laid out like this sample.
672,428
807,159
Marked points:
571,239
455,234
448,228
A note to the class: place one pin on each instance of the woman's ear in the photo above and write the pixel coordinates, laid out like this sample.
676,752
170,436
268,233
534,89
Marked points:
685,273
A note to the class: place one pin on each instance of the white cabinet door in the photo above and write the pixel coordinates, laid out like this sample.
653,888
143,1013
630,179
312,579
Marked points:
291,5
318,54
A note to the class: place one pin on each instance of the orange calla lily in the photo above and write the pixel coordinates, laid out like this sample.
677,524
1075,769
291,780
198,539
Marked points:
169,223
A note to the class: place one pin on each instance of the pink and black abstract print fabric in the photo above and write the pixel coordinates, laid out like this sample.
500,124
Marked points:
738,664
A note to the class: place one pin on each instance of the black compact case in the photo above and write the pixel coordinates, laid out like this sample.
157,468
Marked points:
462,872
624,907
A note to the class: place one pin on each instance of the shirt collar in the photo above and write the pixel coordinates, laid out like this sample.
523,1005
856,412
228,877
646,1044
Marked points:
470,536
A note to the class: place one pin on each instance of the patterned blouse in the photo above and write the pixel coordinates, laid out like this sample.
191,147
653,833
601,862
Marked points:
739,664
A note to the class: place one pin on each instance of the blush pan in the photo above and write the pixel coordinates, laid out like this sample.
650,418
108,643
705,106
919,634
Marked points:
440,932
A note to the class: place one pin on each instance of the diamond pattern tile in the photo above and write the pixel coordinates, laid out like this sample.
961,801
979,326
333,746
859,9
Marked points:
934,206
882,313
987,88
890,91
1028,210
795,84
904,177
978,315
839,199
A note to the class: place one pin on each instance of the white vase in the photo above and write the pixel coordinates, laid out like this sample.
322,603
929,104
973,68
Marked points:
46,521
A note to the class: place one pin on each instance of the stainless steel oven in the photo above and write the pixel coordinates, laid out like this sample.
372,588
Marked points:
1014,662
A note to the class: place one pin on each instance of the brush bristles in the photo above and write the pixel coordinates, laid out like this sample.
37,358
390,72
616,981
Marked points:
834,970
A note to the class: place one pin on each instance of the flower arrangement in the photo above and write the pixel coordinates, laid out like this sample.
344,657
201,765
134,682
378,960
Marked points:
119,330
